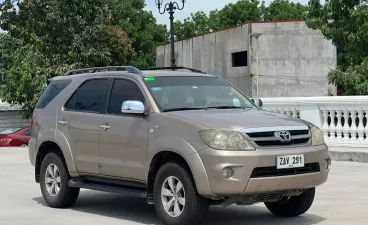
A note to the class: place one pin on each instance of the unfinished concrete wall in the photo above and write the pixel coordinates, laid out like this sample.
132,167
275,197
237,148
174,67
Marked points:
11,117
212,53
293,60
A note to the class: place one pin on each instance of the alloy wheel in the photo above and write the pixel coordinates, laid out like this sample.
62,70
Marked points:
173,196
52,180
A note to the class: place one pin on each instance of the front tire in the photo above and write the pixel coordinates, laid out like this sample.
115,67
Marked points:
54,182
294,206
176,199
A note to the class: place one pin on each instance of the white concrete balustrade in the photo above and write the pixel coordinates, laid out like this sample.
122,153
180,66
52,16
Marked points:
342,118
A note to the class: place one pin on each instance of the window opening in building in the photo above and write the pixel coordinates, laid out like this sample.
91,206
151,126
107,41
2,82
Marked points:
240,59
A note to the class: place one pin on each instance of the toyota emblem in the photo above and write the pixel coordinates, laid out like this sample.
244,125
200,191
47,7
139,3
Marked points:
283,136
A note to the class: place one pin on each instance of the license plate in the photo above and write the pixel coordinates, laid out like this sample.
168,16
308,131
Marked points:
290,161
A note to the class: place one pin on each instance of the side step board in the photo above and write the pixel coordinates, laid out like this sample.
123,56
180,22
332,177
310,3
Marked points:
108,188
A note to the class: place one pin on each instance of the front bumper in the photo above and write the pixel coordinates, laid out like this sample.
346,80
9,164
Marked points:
244,162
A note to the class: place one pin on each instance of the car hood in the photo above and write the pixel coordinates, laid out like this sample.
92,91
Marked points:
237,119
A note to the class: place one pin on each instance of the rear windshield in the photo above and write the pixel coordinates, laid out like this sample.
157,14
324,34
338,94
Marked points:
51,92
10,131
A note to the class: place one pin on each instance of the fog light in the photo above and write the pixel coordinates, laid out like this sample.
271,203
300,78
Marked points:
227,173
328,163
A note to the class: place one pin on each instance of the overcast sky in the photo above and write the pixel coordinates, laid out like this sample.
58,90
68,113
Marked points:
192,6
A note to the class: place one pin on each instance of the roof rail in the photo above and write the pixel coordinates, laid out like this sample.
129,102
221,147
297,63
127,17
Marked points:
130,69
174,68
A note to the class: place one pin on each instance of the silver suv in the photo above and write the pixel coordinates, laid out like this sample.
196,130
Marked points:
181,140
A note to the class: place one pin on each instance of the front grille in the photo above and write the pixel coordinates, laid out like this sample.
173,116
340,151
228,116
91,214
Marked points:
275,143
299,132
272,133
268,138
274,172
261,134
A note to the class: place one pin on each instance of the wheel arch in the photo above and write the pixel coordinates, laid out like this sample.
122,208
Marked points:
48,146
193,163
158,160
45,148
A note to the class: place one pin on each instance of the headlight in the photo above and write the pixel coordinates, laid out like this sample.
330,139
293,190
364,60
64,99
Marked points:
225,140
317,136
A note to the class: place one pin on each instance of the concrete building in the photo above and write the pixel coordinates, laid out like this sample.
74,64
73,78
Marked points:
286,57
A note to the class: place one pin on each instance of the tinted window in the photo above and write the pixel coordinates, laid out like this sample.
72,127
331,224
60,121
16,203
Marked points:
51,92
71,102
28,132
90,96
123,90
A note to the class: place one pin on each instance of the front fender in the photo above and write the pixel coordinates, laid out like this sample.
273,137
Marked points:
186,151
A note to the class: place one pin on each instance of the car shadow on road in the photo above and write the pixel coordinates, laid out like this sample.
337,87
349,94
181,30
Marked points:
137,210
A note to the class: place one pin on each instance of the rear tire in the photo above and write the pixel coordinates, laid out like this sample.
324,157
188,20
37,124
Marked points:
54,182
195,207
294,206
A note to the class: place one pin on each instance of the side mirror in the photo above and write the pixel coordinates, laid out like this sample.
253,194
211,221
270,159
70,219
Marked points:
258,102
132,107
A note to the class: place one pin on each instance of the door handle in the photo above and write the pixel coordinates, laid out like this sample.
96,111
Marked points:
62,122
105,126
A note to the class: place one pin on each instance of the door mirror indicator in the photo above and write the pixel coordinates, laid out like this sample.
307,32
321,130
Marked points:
132,107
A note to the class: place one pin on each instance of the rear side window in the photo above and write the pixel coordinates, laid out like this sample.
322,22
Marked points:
54,88
90,96
71,102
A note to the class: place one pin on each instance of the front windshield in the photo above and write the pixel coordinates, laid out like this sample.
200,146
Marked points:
194,92
10,131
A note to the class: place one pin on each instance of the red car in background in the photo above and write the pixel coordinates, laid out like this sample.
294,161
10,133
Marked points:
15,137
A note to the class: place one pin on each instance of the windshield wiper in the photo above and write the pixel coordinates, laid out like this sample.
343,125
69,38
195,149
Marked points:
226,107
203,108
182,109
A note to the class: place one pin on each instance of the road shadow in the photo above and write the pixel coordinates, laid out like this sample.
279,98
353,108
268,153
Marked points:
137,210
255,215
113,205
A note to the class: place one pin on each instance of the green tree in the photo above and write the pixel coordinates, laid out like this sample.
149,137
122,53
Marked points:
46,38
284,10
26,71
242,11
197,24
214,20
1,66
141,28
345,23
232,14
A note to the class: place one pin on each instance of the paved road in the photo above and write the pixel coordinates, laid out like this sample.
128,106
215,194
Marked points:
342,200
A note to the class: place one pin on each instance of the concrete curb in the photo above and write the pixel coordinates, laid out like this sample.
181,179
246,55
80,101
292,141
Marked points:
350,156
